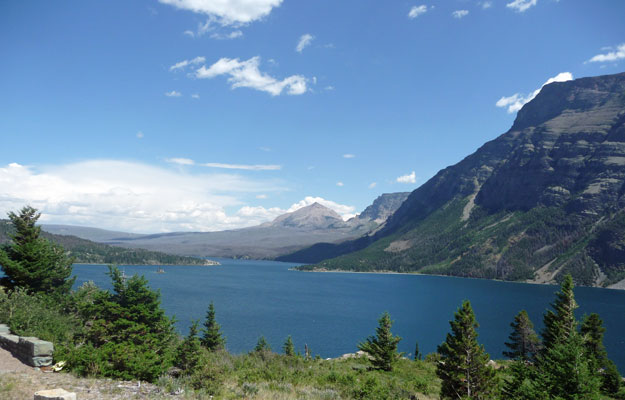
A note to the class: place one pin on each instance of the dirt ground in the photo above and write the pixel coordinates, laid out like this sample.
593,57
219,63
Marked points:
20,382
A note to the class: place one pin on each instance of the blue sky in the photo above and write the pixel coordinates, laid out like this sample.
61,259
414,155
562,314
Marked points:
212,114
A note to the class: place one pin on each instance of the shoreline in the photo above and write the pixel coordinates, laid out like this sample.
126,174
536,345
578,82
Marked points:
216,264
445,276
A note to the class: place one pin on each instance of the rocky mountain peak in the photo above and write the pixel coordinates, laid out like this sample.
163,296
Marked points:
314,216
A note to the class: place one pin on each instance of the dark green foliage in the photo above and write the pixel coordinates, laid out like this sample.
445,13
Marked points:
32,262
521,384
592,331
288,347
463,368
188,352
564,369
417,353
262,345
129,336
524,343
383,346
212,338
560,322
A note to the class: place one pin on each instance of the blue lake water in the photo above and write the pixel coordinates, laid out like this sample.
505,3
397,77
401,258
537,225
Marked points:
332,312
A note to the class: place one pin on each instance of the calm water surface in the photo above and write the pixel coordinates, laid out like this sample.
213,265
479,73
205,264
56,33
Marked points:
332,312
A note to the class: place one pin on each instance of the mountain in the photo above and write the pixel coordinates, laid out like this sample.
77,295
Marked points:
544,199
88,252
286,234
93,234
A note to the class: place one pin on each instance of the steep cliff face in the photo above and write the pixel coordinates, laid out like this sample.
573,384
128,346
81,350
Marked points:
528,205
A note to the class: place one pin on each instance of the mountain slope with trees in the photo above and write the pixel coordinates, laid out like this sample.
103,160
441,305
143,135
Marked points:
540,201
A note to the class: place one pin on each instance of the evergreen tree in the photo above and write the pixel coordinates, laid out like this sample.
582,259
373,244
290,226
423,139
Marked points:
463,368
188,352
383,346
262,345
592,331
417,353
32,262
560,322
524,342
212,338
128,336
563,368
288,347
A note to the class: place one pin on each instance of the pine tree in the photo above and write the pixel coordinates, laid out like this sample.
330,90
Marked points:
524,342
383,346
262,345
212,338
128,336
560,322
32,262
288,347
463,368
592,331
417,353
188,352
563,368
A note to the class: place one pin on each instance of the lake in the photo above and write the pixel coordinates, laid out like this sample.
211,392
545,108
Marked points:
332,312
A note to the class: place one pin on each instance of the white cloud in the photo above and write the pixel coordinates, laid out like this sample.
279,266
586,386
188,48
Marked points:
247,74
486,4
340,184
140,135
372,185
460,13
349,156
228,12
257,167
195,96
515,102
415,11
130,196
173,93
180,161
182,64
261,196
225,36
521,5
615,55
264,148
189,33
304,41
247,167
329,88
409,178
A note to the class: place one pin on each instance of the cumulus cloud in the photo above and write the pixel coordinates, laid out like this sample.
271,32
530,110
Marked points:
486,4
372,185
195,96
225,36
304,41
521,5
130,196
228,12
349,155
184,63
340,184
460,13
173,93
247,74
610,56
415,11
409,178
515,102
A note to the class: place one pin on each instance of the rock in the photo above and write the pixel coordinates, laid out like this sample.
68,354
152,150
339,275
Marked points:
4,328
36,347
55,394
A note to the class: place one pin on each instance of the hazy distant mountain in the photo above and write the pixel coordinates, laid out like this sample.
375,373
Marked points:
544,199
284,235
93,234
